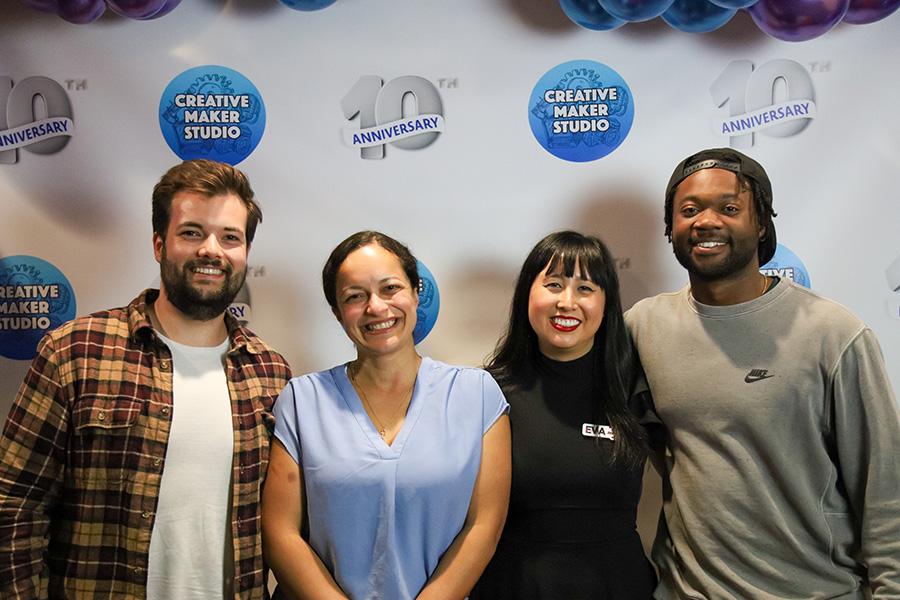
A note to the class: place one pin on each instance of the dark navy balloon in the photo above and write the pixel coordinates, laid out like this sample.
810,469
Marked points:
308,4
429,303
635,10
589,14
734,3
798,20
869,11
697,16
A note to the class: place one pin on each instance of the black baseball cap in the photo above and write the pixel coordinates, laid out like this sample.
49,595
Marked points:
740,164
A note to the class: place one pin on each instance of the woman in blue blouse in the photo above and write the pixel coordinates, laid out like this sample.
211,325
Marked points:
389,475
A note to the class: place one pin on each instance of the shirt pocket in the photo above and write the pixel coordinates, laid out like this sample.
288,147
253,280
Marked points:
107,444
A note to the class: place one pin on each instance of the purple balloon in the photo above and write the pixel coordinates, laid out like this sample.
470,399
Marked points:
167,7
589,14
81,11
734,3
635,10
869,11
697,16
797,20
50,6
136,9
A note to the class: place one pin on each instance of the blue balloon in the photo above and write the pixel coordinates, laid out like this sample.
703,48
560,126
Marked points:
734,3
589,14
429,304
635,10
697,16
308,4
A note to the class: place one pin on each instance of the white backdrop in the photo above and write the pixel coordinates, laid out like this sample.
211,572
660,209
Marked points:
471,204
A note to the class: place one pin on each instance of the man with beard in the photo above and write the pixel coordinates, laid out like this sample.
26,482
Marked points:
778,451
132,459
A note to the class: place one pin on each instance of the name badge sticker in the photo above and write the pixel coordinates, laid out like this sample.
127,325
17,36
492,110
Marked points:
597,431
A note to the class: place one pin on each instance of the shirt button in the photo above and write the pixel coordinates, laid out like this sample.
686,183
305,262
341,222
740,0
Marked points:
157,461
164,365
145,515
101,416
165,410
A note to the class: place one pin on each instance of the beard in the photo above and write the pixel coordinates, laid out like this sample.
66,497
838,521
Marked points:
196,303
737,259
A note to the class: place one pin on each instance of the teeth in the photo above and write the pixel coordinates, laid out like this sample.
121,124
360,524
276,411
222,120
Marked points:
383,325
710,244
564,322
208,271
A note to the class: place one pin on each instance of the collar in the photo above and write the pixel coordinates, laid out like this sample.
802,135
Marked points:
140,328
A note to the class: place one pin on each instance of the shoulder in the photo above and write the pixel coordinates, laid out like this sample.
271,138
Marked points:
262,354
102,328
659,306
317,382
821,316
438,371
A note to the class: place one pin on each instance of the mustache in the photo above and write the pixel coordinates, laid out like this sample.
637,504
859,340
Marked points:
216,264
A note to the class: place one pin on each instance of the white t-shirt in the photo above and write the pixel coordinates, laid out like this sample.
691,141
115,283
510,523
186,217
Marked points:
191,552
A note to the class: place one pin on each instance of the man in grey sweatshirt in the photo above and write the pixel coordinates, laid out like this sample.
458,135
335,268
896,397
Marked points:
781,434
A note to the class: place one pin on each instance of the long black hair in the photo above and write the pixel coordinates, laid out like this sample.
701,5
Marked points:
513,362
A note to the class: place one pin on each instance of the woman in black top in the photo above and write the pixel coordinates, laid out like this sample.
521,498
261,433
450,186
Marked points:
567,368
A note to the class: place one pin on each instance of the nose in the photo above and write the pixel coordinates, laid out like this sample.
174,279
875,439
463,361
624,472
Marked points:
210,247
566,298
376,304
707,219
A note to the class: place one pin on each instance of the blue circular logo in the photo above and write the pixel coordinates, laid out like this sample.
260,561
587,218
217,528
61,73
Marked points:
429,304
212,112
581,110
788,265
35,297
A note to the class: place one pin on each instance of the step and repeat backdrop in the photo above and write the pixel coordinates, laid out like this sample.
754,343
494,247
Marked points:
467,129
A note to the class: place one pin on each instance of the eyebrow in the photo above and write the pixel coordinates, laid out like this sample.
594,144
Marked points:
200,226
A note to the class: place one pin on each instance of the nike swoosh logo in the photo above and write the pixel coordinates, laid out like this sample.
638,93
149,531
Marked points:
755,378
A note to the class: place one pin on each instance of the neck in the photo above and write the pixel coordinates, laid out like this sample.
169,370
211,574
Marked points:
179,327
386,372
741,287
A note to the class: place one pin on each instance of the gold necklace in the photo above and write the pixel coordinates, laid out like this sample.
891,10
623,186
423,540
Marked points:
382,430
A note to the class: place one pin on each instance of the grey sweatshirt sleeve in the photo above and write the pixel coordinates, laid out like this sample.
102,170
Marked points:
867,435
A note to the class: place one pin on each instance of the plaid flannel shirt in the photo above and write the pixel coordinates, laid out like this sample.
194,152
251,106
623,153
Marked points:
83,451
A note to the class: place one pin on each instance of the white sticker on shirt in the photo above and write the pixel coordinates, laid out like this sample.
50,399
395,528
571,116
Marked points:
597,431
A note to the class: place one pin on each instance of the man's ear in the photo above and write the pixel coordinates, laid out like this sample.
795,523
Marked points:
762,232
158,244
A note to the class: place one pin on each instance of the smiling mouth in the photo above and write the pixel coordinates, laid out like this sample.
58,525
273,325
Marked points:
381,325
208,271
565,323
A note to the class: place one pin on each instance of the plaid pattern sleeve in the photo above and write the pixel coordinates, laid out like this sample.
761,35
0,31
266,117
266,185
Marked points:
32,457
83,449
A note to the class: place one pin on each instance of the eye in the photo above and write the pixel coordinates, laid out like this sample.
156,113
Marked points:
732,209
354,297
689,211
190,233
553,285
587,289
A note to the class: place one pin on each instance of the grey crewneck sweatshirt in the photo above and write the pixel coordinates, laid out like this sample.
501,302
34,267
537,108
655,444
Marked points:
782,464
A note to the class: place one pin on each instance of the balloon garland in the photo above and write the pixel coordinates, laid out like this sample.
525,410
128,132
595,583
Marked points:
791,21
